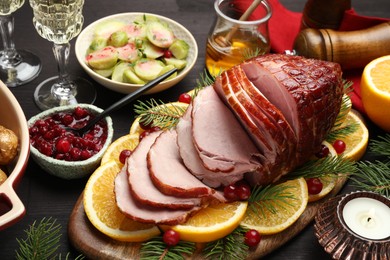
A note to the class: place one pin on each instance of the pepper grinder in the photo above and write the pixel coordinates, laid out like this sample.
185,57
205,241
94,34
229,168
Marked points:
324,13
351,49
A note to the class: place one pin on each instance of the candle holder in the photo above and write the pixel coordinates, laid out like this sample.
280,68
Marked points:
343,239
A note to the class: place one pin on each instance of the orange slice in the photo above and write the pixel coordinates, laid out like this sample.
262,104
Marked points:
113,151
102,211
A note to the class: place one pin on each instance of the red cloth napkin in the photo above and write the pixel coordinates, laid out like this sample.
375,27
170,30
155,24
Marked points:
284,26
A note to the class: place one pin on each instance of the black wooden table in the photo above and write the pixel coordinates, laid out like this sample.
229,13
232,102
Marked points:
46,196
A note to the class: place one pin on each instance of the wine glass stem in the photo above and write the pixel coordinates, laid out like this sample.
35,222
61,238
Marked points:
64,87
9,54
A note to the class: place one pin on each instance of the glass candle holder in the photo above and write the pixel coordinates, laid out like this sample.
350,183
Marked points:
237,35
355,226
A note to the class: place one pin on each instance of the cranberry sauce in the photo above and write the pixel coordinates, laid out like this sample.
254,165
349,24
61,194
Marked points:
50,138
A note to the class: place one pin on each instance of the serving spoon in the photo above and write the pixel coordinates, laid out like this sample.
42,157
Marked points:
120,103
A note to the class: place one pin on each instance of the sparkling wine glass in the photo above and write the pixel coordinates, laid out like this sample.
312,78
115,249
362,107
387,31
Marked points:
59,21
17,67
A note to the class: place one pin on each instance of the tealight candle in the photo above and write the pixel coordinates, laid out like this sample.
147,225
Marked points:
367,217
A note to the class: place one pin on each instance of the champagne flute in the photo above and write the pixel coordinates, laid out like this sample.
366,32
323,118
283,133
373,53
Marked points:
59,21
17,67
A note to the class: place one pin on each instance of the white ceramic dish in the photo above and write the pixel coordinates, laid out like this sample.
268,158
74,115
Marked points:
12,117
85,38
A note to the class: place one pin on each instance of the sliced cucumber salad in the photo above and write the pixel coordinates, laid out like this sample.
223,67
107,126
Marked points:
138,52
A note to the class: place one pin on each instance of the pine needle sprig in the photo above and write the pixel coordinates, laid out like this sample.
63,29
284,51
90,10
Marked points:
341,132
205,80
327,166
230,247
265,198
159,113
373,176
156,249
381,146
42,242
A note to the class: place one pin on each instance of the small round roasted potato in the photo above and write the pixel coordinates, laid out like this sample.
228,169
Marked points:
8,145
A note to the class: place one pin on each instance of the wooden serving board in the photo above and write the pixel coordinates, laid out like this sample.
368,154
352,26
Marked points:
95,245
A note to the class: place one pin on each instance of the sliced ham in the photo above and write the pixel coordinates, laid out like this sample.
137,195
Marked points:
141,186
168,172
221,142
191,159
142,212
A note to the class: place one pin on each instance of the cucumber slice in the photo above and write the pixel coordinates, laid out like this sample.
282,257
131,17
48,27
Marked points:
119,69
130,77
128,53
151,51
179,49
179,64
107,28
167,68
103,59
118,39
97,44
159,34
148,69
105,73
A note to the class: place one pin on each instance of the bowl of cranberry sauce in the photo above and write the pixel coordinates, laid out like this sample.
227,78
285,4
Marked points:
62,152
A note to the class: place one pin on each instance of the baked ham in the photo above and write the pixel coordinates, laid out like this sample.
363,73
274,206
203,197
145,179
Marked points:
258,121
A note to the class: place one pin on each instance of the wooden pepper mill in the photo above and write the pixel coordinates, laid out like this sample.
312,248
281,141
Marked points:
351,49
326,14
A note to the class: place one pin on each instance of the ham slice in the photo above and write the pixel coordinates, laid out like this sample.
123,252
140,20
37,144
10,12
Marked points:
168,172
221,142
191,159
142,212
141,186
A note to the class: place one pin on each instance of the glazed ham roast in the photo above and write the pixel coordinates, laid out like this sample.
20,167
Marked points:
258,121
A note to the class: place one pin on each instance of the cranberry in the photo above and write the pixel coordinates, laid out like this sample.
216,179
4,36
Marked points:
243,191
339,146
168,54
75,153
144,134
63,145
314,185
171,237
124,155
80,112
155,129
252,237
324,152
67,120
230,192
185,98
144,125
85,154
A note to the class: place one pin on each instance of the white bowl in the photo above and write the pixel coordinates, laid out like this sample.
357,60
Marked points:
12,117
85,38
70,169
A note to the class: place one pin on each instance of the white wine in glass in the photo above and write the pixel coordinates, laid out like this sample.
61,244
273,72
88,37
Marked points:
17,67
59,21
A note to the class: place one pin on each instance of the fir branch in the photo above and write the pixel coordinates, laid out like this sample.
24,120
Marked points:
42,242
156,249
341,132
231,247
266,197
159,113
381,146
328,166
373,177
250,53
205,80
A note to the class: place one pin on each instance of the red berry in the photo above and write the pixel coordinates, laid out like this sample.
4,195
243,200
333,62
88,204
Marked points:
124,155
185,98
144,134
80,112
230,192
324,152
63,145
144,125
167,54
171,237
252,237
155,129
243,191
339,146
314,185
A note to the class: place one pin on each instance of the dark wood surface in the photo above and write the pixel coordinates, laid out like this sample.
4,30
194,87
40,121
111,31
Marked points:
47,196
